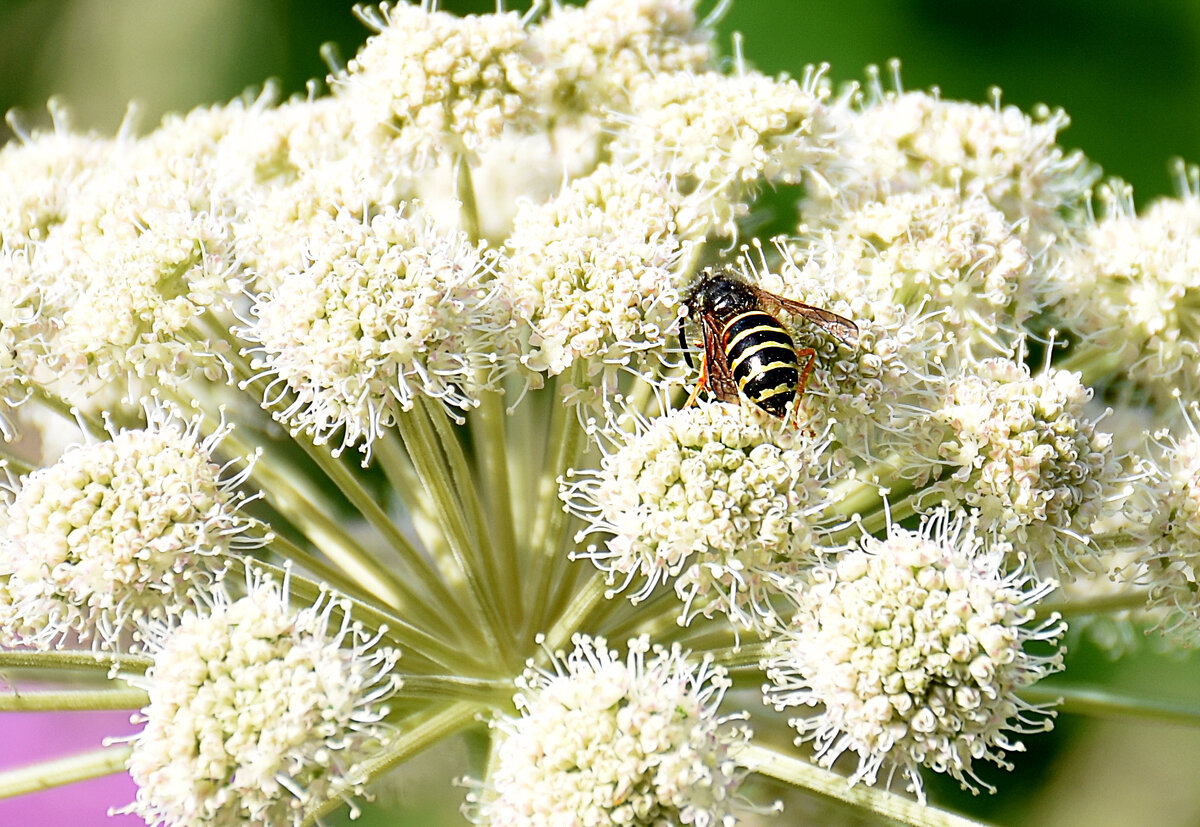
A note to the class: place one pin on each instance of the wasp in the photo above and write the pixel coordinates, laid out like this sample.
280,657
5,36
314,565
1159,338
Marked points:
746,347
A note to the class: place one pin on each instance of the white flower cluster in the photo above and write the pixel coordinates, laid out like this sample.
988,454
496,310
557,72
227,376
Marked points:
384,310
954,263
1135,286
719,500
723,136
914,648
291,167
43,173
934,280
456,81
601,51
258,712
910,141
597,271
1022,450
118,531
601,740
130,261
1169,563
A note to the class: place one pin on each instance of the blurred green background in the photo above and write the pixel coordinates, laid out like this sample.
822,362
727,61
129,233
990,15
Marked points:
1128,74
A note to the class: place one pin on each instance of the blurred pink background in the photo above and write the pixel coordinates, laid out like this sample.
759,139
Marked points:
31,736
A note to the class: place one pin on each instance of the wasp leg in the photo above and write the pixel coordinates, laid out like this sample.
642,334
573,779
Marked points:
806,355
701,383
683,345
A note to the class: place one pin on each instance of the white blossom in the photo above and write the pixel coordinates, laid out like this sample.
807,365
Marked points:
913,647
601,740
723,502
115,531
908,141
1130,296
600,51
1169,562
598,271
384,310
456,82
258,711
724,137
1023,450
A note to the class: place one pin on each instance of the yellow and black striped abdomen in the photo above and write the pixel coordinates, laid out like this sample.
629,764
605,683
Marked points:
762,359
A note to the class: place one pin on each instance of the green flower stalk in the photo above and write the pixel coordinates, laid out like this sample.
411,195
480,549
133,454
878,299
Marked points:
469,259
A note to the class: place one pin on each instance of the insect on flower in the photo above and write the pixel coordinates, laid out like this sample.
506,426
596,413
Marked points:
746,347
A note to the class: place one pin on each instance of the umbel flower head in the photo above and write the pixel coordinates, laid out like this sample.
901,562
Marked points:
1131,293
257,710
722,501
43,172
723,137
913,648
470,256
455,81
1025,451
952,261
120,530
601,51
601,740
143,266
1170,563
909,141
597,271
386,308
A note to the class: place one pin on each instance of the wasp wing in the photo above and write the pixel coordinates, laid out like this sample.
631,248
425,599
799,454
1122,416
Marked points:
720,381
838,326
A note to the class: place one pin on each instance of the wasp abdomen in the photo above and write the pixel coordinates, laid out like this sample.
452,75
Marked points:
762,359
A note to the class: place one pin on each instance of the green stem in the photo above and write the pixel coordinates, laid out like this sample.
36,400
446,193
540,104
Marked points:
491,462
46,775
494,597
406,485
331,537
366,505
527,431
640,396
563,592
360,564
1094,365
877,522
465,190
831,785
551,534
321,569
430,729
738,657
15,464
574,618
397,632
451,688
719,636
545,495
850,498
1104,604
1100,703
77,659
284,488
864,497
421,444
72,700
93,425
657,616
